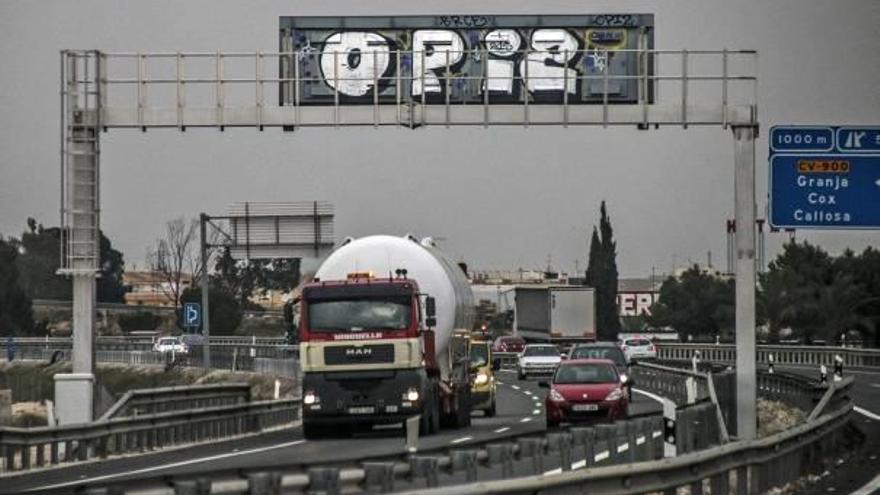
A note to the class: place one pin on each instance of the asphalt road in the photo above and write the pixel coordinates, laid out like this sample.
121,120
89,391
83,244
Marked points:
520,411
861,470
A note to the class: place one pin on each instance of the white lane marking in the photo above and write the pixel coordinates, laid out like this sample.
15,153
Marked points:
536,412
499,382
865,412
579,464
553,471
502,430
656,434
601,456
525,420
515,387
172,465
640,440
870,488
650,395
622,448
462,439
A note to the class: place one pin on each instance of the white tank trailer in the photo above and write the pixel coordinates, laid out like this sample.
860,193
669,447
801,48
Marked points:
373,361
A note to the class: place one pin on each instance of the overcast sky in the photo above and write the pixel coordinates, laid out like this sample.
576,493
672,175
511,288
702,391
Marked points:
502,198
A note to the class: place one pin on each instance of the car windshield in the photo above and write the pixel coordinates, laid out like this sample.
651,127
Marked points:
387,313
611,353
638,342
585,373
479,355
544,350
168,341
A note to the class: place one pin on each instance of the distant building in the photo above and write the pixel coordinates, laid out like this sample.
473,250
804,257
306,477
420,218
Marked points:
149,288
636,295
271,299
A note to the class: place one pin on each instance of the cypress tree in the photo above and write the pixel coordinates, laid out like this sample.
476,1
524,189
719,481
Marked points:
602,275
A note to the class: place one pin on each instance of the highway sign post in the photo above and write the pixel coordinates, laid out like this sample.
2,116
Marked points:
825,177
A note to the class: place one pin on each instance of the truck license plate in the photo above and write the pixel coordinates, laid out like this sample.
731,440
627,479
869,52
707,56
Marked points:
585,407
362,410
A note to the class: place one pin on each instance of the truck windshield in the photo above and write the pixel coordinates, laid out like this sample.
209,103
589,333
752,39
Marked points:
479,355
390,313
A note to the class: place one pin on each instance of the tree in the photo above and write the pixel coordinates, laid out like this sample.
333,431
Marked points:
225,312
175,258
697,304
16,316
602,274
244,278
41,259
819,296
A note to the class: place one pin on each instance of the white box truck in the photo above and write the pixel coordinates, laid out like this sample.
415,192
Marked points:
557,314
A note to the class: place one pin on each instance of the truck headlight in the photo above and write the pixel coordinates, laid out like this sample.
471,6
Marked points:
481,379
310,397
412,395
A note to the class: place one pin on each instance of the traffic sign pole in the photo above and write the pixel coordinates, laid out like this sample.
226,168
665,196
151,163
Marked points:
206,320
744,198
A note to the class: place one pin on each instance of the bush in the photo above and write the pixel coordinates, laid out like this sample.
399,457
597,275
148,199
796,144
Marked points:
142,320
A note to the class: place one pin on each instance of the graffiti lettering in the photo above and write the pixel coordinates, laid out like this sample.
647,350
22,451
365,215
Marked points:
547,68
615,20
353,60
502,46
459,21
476,59
434,50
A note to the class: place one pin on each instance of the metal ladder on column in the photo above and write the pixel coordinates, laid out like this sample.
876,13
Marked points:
80,161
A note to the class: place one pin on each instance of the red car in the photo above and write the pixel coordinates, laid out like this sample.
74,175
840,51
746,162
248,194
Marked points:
585,390
508,343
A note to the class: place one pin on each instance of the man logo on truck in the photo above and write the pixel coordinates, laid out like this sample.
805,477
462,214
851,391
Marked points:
356,352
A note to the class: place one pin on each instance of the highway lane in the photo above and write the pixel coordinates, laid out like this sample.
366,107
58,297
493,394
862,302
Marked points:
520,411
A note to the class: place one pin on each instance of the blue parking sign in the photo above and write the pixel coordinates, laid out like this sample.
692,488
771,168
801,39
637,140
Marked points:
192,315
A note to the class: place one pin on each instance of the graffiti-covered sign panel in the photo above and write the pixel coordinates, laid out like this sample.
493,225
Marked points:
463,59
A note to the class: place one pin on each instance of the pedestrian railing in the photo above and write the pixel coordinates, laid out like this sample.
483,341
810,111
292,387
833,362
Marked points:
28,448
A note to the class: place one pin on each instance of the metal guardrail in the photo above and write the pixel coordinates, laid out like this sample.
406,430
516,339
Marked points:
753,467
26,448
157,400
633,440
782,354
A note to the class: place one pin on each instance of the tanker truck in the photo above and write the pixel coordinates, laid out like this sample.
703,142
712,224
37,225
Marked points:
384,335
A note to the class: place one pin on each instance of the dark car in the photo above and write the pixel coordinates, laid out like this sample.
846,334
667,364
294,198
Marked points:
604,350
508,343
585,390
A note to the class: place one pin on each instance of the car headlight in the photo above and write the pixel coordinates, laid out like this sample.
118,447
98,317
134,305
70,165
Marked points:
623,378
556,396
615,394
310,398
412,395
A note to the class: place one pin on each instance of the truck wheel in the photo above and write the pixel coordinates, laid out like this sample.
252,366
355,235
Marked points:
312,431
435,413
490,412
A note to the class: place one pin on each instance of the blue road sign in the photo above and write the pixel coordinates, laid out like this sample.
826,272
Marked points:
825,177
192,315
858,139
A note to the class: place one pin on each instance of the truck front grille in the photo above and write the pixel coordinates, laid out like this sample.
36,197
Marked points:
365,354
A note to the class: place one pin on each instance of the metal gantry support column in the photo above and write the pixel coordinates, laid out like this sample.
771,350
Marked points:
206,313
81,100
744,198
